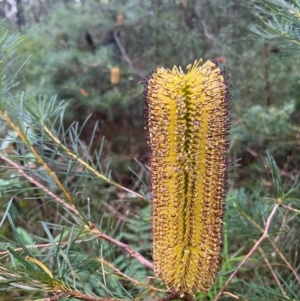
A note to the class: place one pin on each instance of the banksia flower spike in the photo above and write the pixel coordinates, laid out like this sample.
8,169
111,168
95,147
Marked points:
114,75
187,121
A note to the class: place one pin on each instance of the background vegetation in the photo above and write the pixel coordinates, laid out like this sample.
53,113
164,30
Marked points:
65,88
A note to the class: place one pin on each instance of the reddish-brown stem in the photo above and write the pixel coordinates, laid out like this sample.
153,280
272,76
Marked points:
92,227
121,245
272,271
264,235
38,184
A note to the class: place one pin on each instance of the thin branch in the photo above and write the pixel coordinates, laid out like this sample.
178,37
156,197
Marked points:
272,271
126,57
88,167
116,213
40,246
231,295
275,247
39,185
91,226
85,297
264,235
290,208
56,297
171,296
37,156
206,31
285,260
131,279
78,295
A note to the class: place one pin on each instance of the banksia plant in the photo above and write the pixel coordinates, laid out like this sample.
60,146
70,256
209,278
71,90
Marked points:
187,121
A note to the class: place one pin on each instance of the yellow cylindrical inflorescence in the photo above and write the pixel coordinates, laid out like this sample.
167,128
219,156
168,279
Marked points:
187,120
114,75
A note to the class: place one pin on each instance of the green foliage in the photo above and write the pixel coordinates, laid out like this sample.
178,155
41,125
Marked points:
65,188
281,19
260,126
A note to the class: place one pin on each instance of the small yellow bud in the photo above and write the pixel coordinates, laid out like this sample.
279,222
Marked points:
120,19
114,75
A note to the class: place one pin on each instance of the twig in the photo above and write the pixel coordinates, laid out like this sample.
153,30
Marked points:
126,57
264,235
115,212
272,271
40,246
290,208
37,156
126,248
75,294
39,185
206,31
285,260
57,297
231,295
252,152
85,297
91,227
131,279
88,167
275,247
171,296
